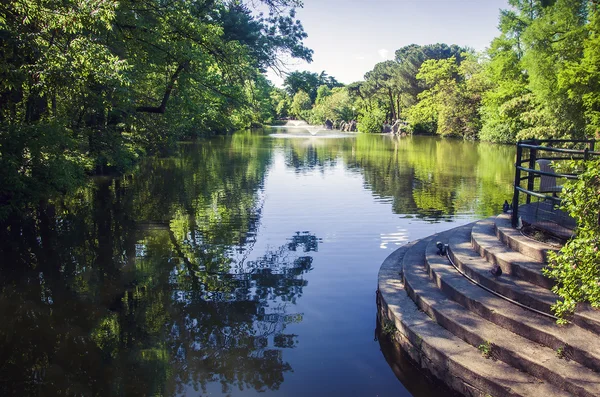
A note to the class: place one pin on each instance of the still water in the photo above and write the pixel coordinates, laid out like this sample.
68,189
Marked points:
242,265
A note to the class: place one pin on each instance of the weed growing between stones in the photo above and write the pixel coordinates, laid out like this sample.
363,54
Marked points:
388,327
486,349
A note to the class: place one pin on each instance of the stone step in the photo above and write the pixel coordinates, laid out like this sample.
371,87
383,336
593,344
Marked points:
434,348
521,353
512,287
486,243
587,316
478,268
514,239
583,345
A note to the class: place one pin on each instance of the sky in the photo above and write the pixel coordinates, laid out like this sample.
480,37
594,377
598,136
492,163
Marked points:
349,37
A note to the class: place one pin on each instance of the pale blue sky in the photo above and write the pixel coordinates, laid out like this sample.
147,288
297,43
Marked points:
350,36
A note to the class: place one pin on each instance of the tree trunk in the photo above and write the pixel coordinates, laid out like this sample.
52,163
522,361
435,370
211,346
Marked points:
392,104
163,105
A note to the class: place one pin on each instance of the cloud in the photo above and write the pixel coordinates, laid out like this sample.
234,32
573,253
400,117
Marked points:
383,53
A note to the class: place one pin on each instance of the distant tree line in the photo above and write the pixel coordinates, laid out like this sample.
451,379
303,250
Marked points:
540,78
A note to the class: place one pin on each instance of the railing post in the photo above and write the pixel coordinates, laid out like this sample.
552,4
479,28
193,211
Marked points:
586,154
531,176
592,145
515,200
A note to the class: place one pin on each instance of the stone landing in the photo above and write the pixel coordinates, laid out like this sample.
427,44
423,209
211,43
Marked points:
484,335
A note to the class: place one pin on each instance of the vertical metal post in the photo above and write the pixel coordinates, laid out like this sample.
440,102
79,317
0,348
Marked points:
586,154
531,176
515,200
592,145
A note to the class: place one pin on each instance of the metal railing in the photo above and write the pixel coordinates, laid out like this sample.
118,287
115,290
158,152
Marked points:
529,152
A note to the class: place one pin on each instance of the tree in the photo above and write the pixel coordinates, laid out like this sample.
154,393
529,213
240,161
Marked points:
337,106
322,92
308,82
301,105
384,81
410,58
450,106
554,39
546,38
91,87
581,78
302,81
507,98
281,102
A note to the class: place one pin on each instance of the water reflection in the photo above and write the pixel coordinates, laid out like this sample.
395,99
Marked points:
431,178
157,282
146,285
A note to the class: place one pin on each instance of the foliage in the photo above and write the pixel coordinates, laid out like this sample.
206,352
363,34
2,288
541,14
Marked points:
383,82
576,268
93,85
410,59
581,78
450,105
322,92
308,82
372,121
281,102
301,105
336,106
537,71
393,86
539,79
36,162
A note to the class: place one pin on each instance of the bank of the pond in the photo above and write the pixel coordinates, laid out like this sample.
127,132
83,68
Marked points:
489,334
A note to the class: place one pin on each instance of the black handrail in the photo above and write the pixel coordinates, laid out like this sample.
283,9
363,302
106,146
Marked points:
534,146
559,150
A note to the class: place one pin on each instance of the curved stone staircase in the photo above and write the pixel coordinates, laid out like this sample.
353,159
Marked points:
475,341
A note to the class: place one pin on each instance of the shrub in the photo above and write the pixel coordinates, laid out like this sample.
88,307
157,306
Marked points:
576,268
371,122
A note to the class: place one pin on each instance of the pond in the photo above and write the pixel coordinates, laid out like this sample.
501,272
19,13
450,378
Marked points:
242,265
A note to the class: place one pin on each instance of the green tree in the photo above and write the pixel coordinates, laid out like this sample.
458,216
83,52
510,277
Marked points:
547,38
337,106
281,101
308,82
301,105
450,106
581,78
410,58
120,81
384,81
322,92
576,268
507,98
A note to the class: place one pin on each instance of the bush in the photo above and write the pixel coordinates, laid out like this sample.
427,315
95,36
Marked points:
36,162
371,122
576,268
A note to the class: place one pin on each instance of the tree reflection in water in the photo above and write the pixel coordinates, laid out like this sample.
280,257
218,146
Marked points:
146,318
145,285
